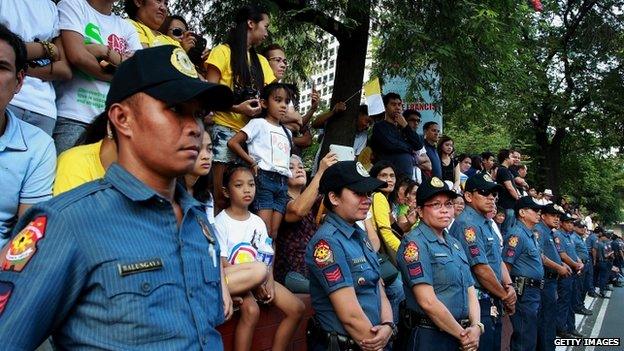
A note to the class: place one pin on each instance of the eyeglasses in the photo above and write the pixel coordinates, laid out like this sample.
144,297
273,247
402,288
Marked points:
177,32
279,60
487,193
367,194
438,205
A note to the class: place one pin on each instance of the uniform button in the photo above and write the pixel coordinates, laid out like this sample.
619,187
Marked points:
191,295
146,287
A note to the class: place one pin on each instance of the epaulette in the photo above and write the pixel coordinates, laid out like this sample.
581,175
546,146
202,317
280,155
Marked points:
67,198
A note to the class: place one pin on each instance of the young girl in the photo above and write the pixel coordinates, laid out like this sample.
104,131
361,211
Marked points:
245,245
269,144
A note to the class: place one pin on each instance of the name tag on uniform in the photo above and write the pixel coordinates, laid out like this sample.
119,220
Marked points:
440,255
490,239
138,267
358,260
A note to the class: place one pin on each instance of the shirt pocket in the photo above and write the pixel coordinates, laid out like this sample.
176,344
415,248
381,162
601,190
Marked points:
364,276
212,279
443,269
141,305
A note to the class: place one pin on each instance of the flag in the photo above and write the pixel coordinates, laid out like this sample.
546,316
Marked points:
372,91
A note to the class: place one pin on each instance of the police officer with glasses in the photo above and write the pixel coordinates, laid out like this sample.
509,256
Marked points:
442,310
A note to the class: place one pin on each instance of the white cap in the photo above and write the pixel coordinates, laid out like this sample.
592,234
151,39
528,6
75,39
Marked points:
548,192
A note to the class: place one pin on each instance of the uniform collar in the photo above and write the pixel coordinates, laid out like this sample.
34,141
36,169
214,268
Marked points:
525,229
470,211
136,190
429,234
340,224
13,137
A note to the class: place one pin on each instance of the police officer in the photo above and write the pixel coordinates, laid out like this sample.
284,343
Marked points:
352,310
442,309
522,254
590,241
129,261
482,247
565,287
553,269
581,280
602,254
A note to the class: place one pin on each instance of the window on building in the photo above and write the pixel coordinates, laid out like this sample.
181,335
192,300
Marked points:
331,77
332,63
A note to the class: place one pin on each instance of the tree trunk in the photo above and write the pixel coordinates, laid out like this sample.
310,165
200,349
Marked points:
350,64
549,156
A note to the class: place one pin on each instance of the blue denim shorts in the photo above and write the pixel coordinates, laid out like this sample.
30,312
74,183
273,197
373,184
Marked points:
271,192
221,153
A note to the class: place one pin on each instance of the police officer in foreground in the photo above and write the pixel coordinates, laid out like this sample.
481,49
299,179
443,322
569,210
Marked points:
442,310
553,269
128,261
566,327
581,280
522,254
352,310
482,247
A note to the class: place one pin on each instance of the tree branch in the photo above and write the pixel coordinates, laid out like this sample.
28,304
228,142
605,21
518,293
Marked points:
309,15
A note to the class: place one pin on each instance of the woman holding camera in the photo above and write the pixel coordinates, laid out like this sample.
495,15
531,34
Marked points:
237,65
147,16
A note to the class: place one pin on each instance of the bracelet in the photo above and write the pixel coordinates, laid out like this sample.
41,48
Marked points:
47,48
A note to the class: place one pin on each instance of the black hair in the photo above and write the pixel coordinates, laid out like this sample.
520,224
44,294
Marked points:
363,110
291,91
476,162
165,26
131,9
410,112
271,47
402,181
391,96
379,166
19,48
486,155
230,170
96,131
462,157
443,139
245,75
428,124
503,154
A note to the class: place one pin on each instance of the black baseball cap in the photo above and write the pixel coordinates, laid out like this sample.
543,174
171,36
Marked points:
167,74
579,224
351,175
566,217
551,208
481,181
432,187
528,202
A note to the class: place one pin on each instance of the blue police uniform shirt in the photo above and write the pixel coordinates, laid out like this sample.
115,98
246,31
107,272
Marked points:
105,266
423,258
590,241
600,250
567,244
580,248
521,250
549,247
339,255
479,241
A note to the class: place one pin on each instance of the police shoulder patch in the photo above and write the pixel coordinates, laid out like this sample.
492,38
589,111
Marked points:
414,270
513,241
333,275
474,250
411,252
511,252
470,234
18,252
323,255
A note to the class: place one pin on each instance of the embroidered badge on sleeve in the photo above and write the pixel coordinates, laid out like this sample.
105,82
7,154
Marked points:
415,270
18,252
411,252
333,275
513,241
323,255
474,250
6,288
511,252
470,235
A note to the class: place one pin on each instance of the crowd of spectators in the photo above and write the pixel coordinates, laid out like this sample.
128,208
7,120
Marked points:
55,136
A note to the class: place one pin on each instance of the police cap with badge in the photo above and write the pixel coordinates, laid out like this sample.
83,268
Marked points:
351,175
167,74
431,188
527,202
482,182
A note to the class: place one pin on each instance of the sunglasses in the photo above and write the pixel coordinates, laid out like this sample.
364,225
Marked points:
487,193
177,32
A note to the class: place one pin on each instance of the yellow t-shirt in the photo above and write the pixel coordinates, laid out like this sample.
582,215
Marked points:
148,39
220,58
78,165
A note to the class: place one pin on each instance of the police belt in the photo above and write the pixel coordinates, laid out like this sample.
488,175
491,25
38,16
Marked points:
332,341
528,282
412,319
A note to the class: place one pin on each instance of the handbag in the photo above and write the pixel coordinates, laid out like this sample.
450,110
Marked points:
387,270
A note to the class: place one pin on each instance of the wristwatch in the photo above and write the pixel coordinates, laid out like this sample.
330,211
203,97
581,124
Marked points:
481,327
395,330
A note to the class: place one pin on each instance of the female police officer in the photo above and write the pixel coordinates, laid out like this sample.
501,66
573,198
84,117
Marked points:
442,306
352,310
